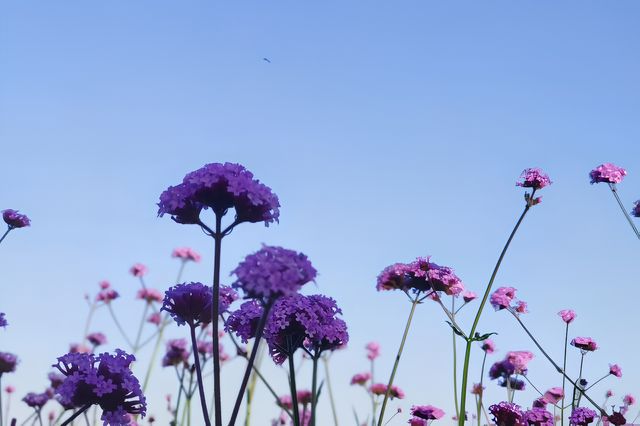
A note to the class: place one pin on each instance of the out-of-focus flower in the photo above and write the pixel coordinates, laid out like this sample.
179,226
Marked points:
635,212
582,416
468,296
538,417
285,402
420,275
534,178
97,339
501,369
189,303
56,379
584,343
381,389
107,295
36,400
10,389
519,360
373,350
567,315
502,298
416,421
155,318
507,414
244,321
629,399
553,395
227,296
204,347
360,378
8,362
186,254
521,307
104,284
488,346
14,219
3,320
138,270
79,348
177,353
304,396
615,370
150,295
427,412
617,419
477,389
608,394
607,173
539,403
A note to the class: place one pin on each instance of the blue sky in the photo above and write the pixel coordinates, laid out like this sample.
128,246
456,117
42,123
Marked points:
388,130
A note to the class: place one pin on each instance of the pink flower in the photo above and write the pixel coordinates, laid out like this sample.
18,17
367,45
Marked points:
584,343
615,370
186,254
519,360
107,295
138,270
285,401
502,298
468,296
373,350
417,421
154,318
9,389
609,393
521,307
534,178
104,284
607,173
427,412
79,348
629,400
360,378
488,346
567,315
381,389
304,396
553,395
150,295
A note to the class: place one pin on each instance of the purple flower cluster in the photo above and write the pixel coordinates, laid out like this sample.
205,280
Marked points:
538,417
244,321
8,362
105,380
506,371
97,339
534,178
273,272
227,297
304,321
582,416
507,414
189,303
635,212
14,219
36,400
220,187
607,173
420,275
177,353
3,320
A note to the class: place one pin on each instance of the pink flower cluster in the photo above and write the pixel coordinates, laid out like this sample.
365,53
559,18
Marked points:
505,298
186,254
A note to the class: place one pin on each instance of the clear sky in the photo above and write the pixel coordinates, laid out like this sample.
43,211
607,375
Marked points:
389,130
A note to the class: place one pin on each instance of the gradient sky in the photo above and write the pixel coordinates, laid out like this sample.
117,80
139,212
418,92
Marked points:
389,130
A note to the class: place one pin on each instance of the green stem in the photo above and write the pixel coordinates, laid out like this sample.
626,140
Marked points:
564,368
624,211
136,345
455,359
154,354
294,391
479,399
576,400
467,353
334,412
399,354
373,398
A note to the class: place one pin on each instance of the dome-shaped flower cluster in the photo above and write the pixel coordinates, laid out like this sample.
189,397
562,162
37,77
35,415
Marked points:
507,414
189,303
13,219
534,178
607,173
420,275
244,321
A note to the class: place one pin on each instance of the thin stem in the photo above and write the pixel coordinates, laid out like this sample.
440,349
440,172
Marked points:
564,368
180,388
13,422
325,361
598,381
467,354
294,391
484,360
252,358
395,365
217,237
87,323
76,414
136,345
455,359
614,190
314,389
251,389
154,354
196,357
374,406
533,386
576,401
118,325
5,234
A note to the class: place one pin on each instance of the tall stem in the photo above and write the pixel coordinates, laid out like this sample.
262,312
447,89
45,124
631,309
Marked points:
294,390
467,353
5,234
154,354
215,313
564,368
614,190
325,361
76,414
196,357
455,359
398,355
373,398
180,387
314,389
252,358
484,360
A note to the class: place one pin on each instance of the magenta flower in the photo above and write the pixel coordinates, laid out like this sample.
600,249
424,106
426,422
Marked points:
521,307
285,402
97,339
488,346
104,284
553,395
584,343
582,416
468,296
502,298
8,363
567,315
635,212
13,219
507,414
107,295
519,360
186,254
608,394
155,318
426,412
360,378
538,417
304,396
629,400
416,421
10,389
420,275
615,370
373,350
617,419
138,270
539,403
534,178
381,389
150,295
607,173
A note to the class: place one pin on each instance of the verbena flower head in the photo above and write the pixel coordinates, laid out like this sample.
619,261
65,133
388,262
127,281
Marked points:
360,378
534,178
138,270
553,395
629,400
519,360
567,315
381,389
635,212
244,321
469,296
272,272
227,296
55,379
8,362
420,275
186,254
220,187
304,396
615,370
538,417
582,416
3,320
616,418
9,389
309,321
477,389
488,346
105,380
417,421
507,414
608,394
502,298
177,353
584,343
426,412
539,403
14,219
373,350
607,173
189,303
150,295
155,318
97,339
107,295
36,400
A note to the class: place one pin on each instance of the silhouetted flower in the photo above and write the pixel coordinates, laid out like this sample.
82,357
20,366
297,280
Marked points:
607,173
8,362
636,209
534,178
3,320
189,303
97,339
14,219
177,353
138,270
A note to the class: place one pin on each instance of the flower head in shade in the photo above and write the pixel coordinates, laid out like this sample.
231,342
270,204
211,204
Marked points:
615,370
97,339
373,350
507,414
488,346
79,348
138,270
539,403
521,307
56,379
519,360
513,382
607,173
244,321
227,297
189,303
105,380
426,412
629,400
420,275
107,295
553,395
205,347
538,417
8,362
534,178
309,321
304,396
360,378
381,389
567,315
582,416
616,418
220,187
635,212
150,295
177,353
36,400
272,272
14,219
417,421
186,254
468,296
584,344
3,320
502,298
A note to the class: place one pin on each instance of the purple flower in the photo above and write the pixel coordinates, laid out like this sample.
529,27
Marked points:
105,380
567,315
636,209
582,416
538,417
14,219
36,400
617,419
426,412
8,362
584,343
507,414
309,321
107,295
534,178
615,370
420,275
502,298
553,395
227,297
244,321
220,187
56,379
189,303
205,348
3,320
273,272
607,173
177,353
97,339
